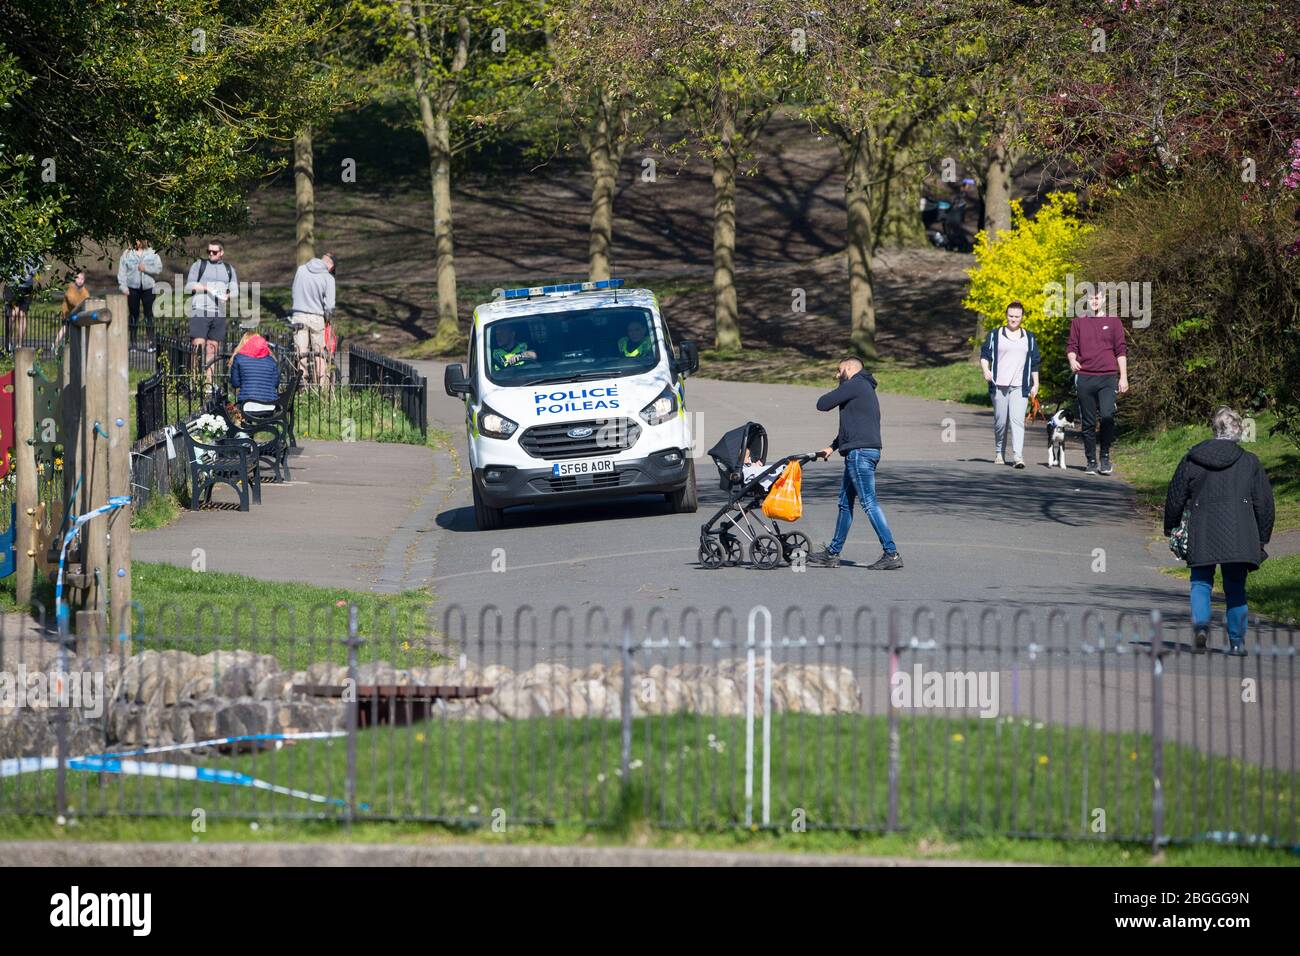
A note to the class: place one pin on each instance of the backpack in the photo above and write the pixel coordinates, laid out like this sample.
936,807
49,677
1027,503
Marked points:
203,267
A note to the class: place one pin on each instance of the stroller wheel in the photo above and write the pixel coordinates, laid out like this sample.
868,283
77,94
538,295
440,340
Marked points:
793,541
735,550
711,553
765,552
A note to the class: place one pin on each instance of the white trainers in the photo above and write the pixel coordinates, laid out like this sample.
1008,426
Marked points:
1020,461
998,459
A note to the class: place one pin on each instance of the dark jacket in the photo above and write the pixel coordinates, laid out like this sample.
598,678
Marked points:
859,413
1033,359
258,379
1231,504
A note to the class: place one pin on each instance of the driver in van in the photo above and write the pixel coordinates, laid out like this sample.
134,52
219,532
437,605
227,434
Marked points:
636,343
508,351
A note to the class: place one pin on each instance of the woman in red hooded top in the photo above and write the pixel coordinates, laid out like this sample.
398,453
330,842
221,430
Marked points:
254,372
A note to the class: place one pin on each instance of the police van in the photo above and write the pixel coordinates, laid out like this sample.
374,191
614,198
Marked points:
573,393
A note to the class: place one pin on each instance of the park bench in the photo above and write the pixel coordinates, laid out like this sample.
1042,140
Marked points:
230,461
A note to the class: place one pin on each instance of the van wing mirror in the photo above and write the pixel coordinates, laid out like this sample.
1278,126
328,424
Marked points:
688,362
455,382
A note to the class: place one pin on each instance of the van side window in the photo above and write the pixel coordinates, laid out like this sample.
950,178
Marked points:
473,356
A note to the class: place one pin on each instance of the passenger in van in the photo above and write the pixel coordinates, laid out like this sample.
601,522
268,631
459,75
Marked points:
636,343
509,352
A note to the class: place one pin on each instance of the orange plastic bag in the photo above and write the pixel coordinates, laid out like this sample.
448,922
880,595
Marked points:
784,502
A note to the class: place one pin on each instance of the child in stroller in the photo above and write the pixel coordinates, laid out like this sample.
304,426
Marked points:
740,455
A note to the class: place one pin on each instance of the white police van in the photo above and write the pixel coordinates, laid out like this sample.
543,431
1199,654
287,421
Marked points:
574,392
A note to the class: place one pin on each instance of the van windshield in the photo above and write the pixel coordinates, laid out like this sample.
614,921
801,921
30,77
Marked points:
570,346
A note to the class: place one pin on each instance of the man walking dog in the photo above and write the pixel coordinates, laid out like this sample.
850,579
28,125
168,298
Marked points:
858,442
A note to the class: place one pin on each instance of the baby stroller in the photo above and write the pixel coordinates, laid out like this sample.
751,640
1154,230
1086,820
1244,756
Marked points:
739,456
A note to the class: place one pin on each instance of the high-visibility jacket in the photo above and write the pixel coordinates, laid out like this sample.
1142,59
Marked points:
499,356
636,351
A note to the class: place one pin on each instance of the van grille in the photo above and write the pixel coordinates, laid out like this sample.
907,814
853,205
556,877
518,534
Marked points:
608,437
575,482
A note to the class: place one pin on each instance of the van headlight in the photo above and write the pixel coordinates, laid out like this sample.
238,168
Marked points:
662,408
494,424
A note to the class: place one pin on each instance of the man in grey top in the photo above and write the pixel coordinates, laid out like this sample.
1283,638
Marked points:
214,284
313,303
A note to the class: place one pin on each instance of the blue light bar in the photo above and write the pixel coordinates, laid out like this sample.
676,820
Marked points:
566,287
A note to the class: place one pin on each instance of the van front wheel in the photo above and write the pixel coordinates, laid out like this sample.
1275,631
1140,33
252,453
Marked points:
486,518
687,500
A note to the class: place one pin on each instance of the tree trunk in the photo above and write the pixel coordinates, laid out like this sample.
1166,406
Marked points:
304,195
725,311
447,334
857,201
603,157
999,164
435,121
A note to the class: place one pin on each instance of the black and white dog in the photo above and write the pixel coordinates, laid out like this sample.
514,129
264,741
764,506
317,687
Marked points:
1056,427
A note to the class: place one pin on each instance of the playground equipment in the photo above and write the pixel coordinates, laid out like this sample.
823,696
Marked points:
78,426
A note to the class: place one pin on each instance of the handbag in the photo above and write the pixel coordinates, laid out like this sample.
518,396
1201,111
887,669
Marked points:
784,502
1178,538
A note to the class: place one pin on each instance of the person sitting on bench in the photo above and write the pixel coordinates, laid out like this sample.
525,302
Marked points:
255,374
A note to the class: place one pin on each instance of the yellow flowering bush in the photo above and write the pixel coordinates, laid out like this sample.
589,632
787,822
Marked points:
1022,264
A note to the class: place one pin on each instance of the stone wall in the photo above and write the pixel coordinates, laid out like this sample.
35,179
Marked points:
157,698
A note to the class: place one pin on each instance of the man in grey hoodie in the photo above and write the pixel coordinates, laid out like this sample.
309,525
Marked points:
313,303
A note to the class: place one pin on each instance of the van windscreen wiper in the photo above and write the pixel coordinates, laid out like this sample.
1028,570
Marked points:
564,379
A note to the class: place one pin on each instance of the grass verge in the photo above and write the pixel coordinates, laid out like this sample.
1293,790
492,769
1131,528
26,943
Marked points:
1273,591
962,779
952,382
931,845
1148,460
298,623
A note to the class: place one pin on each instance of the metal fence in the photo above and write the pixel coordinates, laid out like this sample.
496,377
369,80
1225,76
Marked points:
960,721
44,322
379,399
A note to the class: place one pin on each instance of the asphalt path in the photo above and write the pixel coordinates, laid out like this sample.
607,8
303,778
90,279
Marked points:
972,534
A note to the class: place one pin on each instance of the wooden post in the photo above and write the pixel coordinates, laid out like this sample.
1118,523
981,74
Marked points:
94,482
118,424
70,397
25,538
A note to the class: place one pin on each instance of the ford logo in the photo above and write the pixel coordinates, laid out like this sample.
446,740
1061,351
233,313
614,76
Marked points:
580,431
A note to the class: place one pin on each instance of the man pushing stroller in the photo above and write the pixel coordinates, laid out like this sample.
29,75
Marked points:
858,442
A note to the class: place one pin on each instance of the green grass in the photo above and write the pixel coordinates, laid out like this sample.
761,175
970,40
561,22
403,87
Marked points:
1273,591
963,779
931,845
158,511
352,414
953,382
211,609
1148,461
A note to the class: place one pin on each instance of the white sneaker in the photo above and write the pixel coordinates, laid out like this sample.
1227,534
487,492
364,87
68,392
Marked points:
998,459
1020,461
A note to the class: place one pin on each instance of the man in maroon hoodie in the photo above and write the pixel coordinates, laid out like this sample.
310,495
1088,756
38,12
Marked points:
1099,359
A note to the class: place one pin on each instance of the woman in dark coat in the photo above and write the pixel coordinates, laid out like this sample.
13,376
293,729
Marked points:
1230,518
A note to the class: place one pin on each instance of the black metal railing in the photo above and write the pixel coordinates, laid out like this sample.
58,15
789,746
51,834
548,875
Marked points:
393,378
962,720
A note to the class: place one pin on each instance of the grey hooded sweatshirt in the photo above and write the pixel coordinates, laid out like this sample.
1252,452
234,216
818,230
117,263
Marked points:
313,289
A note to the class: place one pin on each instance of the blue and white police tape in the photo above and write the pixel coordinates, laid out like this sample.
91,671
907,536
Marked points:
114,763
115,502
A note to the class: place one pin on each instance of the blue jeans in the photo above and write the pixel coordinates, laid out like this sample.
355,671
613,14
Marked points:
860,483
1234,589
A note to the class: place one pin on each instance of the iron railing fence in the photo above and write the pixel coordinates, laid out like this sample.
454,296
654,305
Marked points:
378,405
45,320
956,720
